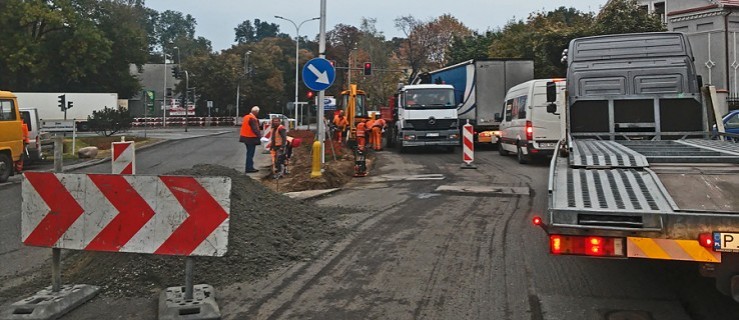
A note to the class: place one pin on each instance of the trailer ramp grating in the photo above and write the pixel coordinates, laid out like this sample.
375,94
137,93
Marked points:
717,145
610,190
603,153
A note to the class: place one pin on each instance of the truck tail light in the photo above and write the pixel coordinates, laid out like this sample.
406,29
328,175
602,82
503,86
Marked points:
529,131
587,246
706,240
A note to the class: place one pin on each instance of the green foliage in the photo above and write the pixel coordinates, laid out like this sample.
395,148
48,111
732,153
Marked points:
544,35
109,121
625,16
71,45
246,32
471,47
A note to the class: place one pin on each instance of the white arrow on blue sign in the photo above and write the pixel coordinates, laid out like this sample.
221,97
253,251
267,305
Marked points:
318,74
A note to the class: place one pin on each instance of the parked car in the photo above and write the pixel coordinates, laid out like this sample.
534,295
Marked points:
731,122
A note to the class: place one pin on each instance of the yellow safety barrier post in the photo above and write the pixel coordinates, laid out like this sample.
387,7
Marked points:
316,171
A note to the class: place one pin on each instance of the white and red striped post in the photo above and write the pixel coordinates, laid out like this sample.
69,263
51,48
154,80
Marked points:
468,146
123,157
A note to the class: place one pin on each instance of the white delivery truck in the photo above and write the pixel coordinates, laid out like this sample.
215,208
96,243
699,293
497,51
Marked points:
82,105
479,89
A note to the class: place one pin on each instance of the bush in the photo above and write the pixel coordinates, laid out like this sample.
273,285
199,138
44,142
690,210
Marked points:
109,121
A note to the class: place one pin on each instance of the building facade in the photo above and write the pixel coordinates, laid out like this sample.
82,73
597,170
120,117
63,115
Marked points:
712,27
152,77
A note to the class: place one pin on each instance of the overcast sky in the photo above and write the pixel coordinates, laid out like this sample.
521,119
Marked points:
217,18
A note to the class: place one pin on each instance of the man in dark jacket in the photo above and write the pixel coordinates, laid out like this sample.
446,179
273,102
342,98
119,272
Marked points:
250,136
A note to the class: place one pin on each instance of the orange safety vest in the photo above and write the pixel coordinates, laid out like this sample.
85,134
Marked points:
370,124
276,137
340,122
360,130
246,127
380,123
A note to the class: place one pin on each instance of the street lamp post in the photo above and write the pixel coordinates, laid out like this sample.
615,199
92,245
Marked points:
164,91
297,48
247,54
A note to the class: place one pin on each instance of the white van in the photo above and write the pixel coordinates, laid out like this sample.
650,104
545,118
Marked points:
40,141
526,128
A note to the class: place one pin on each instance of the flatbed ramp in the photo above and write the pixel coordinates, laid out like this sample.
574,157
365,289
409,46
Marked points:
630,184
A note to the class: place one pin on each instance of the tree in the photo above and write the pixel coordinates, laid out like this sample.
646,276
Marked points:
248,33
340,42
471,47
542,38
71,45
109,121
625,16
428,43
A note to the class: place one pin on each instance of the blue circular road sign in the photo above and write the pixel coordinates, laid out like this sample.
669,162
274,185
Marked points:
318,74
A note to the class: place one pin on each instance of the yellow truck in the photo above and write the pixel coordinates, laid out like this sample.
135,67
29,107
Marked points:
11,135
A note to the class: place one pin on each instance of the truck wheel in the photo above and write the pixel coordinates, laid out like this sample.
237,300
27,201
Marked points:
522,159
6,165
503,152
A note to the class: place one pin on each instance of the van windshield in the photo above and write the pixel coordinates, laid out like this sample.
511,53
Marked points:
429,98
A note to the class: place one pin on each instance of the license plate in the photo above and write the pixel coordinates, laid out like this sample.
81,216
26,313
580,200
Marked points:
432,134
726,241
546,145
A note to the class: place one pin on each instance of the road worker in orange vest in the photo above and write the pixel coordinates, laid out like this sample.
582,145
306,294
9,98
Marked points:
377,127
250,136
368,126
278,141
361,134
341,124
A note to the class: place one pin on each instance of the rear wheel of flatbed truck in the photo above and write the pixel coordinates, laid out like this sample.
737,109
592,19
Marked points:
726,275
6,165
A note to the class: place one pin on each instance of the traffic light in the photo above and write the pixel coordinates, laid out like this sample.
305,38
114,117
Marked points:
333,63
368,68
70,104
62,102
310,95
169,92
176,72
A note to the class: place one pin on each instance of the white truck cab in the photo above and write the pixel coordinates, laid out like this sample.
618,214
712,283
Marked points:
425,115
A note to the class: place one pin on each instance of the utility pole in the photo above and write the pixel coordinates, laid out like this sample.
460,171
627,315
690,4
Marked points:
321,94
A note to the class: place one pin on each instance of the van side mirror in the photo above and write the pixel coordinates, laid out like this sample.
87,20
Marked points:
551,92
498,118
552,107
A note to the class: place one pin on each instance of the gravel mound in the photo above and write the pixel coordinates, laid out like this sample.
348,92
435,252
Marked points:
267,230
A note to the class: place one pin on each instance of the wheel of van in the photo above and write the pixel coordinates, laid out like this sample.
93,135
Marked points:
522,159
6,165
503,152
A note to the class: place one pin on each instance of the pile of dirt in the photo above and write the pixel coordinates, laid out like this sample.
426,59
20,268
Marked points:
267,231
338,169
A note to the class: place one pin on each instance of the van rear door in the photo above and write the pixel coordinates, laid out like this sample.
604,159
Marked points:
546,125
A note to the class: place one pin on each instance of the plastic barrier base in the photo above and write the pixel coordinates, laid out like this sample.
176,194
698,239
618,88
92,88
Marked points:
203,306
48,305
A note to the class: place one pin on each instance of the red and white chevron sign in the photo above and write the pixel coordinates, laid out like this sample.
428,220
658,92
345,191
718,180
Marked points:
170,215
124,157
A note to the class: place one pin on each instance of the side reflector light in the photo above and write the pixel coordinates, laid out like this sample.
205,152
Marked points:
537,221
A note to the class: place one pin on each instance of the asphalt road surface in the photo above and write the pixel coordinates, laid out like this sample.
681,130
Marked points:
419,253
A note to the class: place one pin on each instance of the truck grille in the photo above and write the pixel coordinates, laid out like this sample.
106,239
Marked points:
427,124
